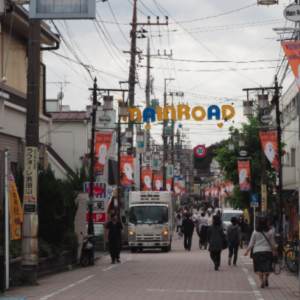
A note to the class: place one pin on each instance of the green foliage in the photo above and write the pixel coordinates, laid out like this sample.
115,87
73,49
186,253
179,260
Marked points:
81,176
21,280
15,249
228,162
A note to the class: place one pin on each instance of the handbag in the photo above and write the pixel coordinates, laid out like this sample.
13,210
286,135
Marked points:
225,241
277,267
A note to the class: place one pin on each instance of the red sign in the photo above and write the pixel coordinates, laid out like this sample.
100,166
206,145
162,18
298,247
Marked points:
97,190
97,217
200,151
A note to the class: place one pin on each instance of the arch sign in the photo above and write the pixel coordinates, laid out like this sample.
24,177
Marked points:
200,151
198,113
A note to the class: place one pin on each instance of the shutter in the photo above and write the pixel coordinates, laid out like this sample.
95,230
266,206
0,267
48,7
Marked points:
13,144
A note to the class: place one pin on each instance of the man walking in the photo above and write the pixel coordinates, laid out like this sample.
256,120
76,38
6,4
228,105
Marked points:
188,230
114,236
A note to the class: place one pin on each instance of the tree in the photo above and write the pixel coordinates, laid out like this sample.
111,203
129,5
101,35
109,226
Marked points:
228,161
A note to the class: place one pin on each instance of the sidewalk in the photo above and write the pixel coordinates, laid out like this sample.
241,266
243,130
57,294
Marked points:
151,274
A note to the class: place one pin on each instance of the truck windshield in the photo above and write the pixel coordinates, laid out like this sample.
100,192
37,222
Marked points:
148,214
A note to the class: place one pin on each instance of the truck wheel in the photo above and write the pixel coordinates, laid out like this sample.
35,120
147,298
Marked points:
133,250
165,249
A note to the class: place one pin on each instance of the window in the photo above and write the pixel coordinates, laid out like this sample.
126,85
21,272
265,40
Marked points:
293,157
287,159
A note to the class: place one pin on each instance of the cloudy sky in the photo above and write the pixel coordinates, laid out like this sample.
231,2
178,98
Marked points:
219,47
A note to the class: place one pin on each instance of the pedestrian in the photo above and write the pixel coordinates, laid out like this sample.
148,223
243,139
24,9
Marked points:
243,226
202,221
235,239
287,227
263,244
179,222
215,238
114,237
188,230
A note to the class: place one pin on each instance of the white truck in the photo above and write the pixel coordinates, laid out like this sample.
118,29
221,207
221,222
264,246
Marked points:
151,220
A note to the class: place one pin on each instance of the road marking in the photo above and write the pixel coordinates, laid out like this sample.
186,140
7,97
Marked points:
200,291
252,283
78,282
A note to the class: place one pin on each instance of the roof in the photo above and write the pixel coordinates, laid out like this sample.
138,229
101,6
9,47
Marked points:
69,115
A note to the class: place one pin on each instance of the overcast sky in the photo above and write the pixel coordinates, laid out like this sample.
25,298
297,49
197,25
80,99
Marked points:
195,32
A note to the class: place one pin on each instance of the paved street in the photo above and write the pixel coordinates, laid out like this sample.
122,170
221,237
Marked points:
157,275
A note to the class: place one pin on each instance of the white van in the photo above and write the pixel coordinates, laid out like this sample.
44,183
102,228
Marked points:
227,214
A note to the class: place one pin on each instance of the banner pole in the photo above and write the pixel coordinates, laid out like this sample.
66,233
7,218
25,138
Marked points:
6,224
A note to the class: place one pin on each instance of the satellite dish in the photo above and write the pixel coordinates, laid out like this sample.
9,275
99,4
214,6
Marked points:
60,95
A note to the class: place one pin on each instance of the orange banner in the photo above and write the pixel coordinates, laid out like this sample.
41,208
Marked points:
244,175
177,190
157,182
146,180
16,212
169,185
126,167
102,145
269,143
291,50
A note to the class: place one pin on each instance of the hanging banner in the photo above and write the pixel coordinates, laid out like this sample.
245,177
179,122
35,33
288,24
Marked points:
146,180
16,212
177,191
126,167
169,185
30,179
170,171
157,178
244,175
291,50
269,143
141,146
102,146
155,164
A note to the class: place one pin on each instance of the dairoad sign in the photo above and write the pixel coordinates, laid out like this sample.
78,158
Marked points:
254,198
254,204
200,151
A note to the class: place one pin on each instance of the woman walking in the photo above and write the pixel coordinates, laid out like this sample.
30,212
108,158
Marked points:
235,239
215,238
263,244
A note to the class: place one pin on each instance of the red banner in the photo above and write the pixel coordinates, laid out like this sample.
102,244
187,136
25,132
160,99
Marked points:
101,148
126,167
169,185
244,175
146,180
157,178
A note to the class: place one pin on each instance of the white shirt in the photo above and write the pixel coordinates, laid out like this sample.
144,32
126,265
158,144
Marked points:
259,243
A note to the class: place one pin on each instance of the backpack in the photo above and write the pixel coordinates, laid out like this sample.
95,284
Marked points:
233,234
178,216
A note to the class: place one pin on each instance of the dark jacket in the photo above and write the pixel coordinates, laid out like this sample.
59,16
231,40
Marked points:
233,233
243,226
188,227
215,236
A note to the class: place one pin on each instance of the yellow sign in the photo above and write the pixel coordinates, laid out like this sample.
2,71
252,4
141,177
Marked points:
16,213
263,199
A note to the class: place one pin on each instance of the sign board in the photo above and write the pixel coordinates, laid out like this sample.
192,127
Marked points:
170,171
254,198
292,13
266,119
155,164
62,10
254,204
243,153
104,120
30,179
200,151
263,199
97,217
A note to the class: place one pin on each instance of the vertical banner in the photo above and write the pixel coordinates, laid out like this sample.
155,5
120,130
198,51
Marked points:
291,50
169,185
16,213
126,167
30,179
244,175
141,148
177,191
102,146
146,180
170,171
157,178
155,164
263,199
269,143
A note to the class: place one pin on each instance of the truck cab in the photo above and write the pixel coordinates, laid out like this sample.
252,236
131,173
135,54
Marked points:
151,220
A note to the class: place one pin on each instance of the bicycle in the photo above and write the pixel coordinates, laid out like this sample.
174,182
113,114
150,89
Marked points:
292,257
280,249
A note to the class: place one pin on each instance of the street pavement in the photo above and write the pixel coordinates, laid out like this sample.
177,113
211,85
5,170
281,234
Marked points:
152,274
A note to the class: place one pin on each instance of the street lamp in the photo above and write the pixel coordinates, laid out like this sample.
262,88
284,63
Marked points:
140,136
156,155
248,108
241,141
122,109
267,2
148,152
108,102
128,133
231,145
263,101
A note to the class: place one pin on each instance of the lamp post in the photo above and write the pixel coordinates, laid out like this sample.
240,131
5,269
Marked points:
140,139
267,2
231,145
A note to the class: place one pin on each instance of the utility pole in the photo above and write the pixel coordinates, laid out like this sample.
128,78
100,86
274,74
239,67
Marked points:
30,218
148,91
164,135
